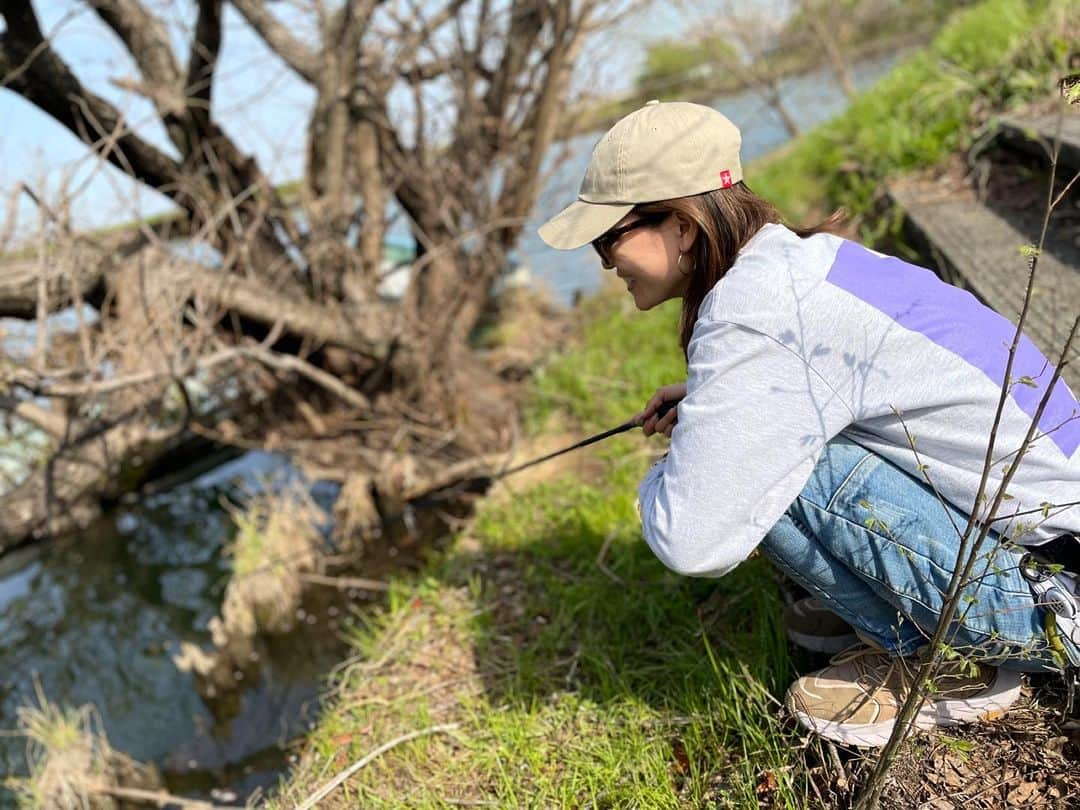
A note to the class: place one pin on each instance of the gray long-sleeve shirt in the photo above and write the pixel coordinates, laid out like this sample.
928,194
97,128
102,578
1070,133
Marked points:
803,339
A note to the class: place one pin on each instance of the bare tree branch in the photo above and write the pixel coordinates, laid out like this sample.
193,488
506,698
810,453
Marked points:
147,39
53,424
305,284
204,55
291,50
30,67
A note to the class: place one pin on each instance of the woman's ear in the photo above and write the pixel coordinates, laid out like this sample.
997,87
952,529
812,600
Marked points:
688,231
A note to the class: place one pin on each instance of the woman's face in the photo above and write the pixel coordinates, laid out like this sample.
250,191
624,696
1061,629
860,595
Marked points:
647,258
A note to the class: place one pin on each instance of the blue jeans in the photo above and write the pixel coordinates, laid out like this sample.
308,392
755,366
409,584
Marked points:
878,548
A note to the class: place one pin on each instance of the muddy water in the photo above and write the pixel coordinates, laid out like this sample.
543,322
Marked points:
96,619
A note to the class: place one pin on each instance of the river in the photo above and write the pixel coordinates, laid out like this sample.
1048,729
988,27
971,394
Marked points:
96,618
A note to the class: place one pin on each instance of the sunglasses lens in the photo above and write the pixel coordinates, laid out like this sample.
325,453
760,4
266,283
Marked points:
601,246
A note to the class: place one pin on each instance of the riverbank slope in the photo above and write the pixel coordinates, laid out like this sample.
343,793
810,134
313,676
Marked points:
547,659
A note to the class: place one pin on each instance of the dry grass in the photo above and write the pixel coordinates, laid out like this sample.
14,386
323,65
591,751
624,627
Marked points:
425,675
277,541
71,762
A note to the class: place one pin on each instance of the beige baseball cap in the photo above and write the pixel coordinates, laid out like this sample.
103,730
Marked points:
659,152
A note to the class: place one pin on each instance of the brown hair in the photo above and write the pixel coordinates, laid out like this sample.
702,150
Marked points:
726,219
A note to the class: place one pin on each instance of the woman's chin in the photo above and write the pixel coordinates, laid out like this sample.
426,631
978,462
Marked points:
641,301
644,300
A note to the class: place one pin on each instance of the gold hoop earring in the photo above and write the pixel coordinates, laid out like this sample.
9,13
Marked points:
678,265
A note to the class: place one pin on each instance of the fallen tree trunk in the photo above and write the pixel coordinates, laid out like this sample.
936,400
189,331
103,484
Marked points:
411,456
365,328
21,282
66,494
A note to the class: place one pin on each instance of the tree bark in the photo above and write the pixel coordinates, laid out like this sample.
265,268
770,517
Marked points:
19,286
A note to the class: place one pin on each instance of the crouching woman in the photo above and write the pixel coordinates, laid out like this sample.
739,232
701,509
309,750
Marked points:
825,384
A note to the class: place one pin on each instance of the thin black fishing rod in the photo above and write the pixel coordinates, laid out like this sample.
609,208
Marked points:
484,481
625,426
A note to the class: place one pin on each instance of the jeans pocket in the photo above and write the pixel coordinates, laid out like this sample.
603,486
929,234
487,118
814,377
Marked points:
888,519
877,496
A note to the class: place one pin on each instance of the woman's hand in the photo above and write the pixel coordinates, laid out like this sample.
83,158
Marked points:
648,419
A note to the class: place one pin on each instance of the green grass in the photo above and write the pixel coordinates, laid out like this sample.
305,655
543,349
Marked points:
575,683
993,56
623,356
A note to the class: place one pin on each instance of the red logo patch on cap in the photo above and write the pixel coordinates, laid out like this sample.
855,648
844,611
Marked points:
725,179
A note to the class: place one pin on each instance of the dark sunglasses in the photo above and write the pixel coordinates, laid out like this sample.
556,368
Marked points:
604,243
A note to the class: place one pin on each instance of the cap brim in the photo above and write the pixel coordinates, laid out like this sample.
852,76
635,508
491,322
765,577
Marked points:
581,222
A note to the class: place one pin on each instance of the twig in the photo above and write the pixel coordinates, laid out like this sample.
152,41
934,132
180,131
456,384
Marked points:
600,559
344,583
834,759
334,783
157,797
288,362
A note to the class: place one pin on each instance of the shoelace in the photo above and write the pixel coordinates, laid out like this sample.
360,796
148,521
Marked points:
875,668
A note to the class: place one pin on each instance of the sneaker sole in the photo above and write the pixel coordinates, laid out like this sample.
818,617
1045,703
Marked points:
990,705
822,644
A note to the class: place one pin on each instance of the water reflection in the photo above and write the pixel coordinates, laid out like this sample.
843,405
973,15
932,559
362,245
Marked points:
96,619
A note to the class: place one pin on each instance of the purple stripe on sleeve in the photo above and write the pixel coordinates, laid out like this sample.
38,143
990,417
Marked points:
954,319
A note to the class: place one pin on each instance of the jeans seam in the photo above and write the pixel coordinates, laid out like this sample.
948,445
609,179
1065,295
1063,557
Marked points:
836,493
930,560
900,591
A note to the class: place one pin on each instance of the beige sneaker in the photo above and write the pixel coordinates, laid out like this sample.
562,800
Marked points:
813,627
856,699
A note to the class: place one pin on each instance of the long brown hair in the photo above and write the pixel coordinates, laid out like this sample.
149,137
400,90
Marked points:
726,219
